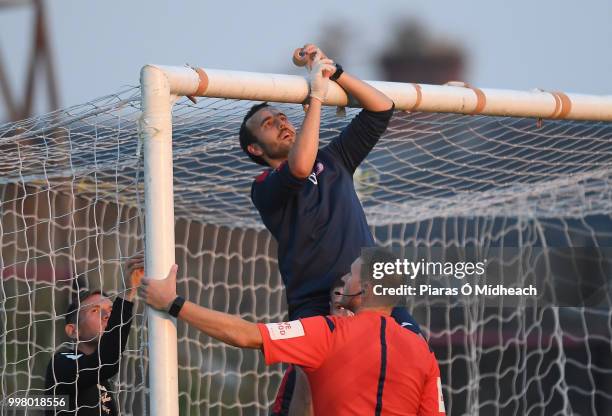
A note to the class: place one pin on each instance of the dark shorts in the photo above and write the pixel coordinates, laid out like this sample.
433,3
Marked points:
281,404
315,306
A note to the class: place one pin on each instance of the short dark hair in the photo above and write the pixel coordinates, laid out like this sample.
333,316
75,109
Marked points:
370,256
71,312
247,137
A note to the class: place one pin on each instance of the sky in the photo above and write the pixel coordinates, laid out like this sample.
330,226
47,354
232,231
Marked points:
100,46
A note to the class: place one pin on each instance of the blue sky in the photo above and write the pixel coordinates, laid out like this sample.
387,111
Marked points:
100,46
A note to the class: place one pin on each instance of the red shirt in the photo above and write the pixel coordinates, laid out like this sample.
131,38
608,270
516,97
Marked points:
364,364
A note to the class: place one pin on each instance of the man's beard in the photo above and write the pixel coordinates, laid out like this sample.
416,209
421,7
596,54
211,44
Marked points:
279,151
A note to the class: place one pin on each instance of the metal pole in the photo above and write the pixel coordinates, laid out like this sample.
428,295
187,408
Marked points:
454,98
156,126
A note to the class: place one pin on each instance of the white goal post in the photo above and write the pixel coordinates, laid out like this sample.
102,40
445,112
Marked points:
161,85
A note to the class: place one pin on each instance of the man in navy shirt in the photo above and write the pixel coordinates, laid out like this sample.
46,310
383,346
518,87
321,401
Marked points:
306,197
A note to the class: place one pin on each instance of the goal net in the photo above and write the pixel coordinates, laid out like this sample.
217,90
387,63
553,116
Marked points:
72,207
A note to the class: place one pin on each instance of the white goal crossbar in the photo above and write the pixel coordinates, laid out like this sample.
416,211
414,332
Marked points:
162,84
455,97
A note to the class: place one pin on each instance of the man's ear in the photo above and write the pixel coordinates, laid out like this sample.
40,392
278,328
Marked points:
71,330
255,149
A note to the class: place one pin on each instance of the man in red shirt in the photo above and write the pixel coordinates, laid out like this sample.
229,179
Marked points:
355,364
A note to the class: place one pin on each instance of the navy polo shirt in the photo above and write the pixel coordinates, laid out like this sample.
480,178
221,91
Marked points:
319,222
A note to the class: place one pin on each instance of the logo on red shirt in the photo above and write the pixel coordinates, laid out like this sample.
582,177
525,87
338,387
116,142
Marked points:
285,330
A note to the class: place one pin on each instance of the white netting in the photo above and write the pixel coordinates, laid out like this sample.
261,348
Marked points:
71,185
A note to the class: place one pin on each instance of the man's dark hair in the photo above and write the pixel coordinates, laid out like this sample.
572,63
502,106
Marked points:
71,312
247,137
